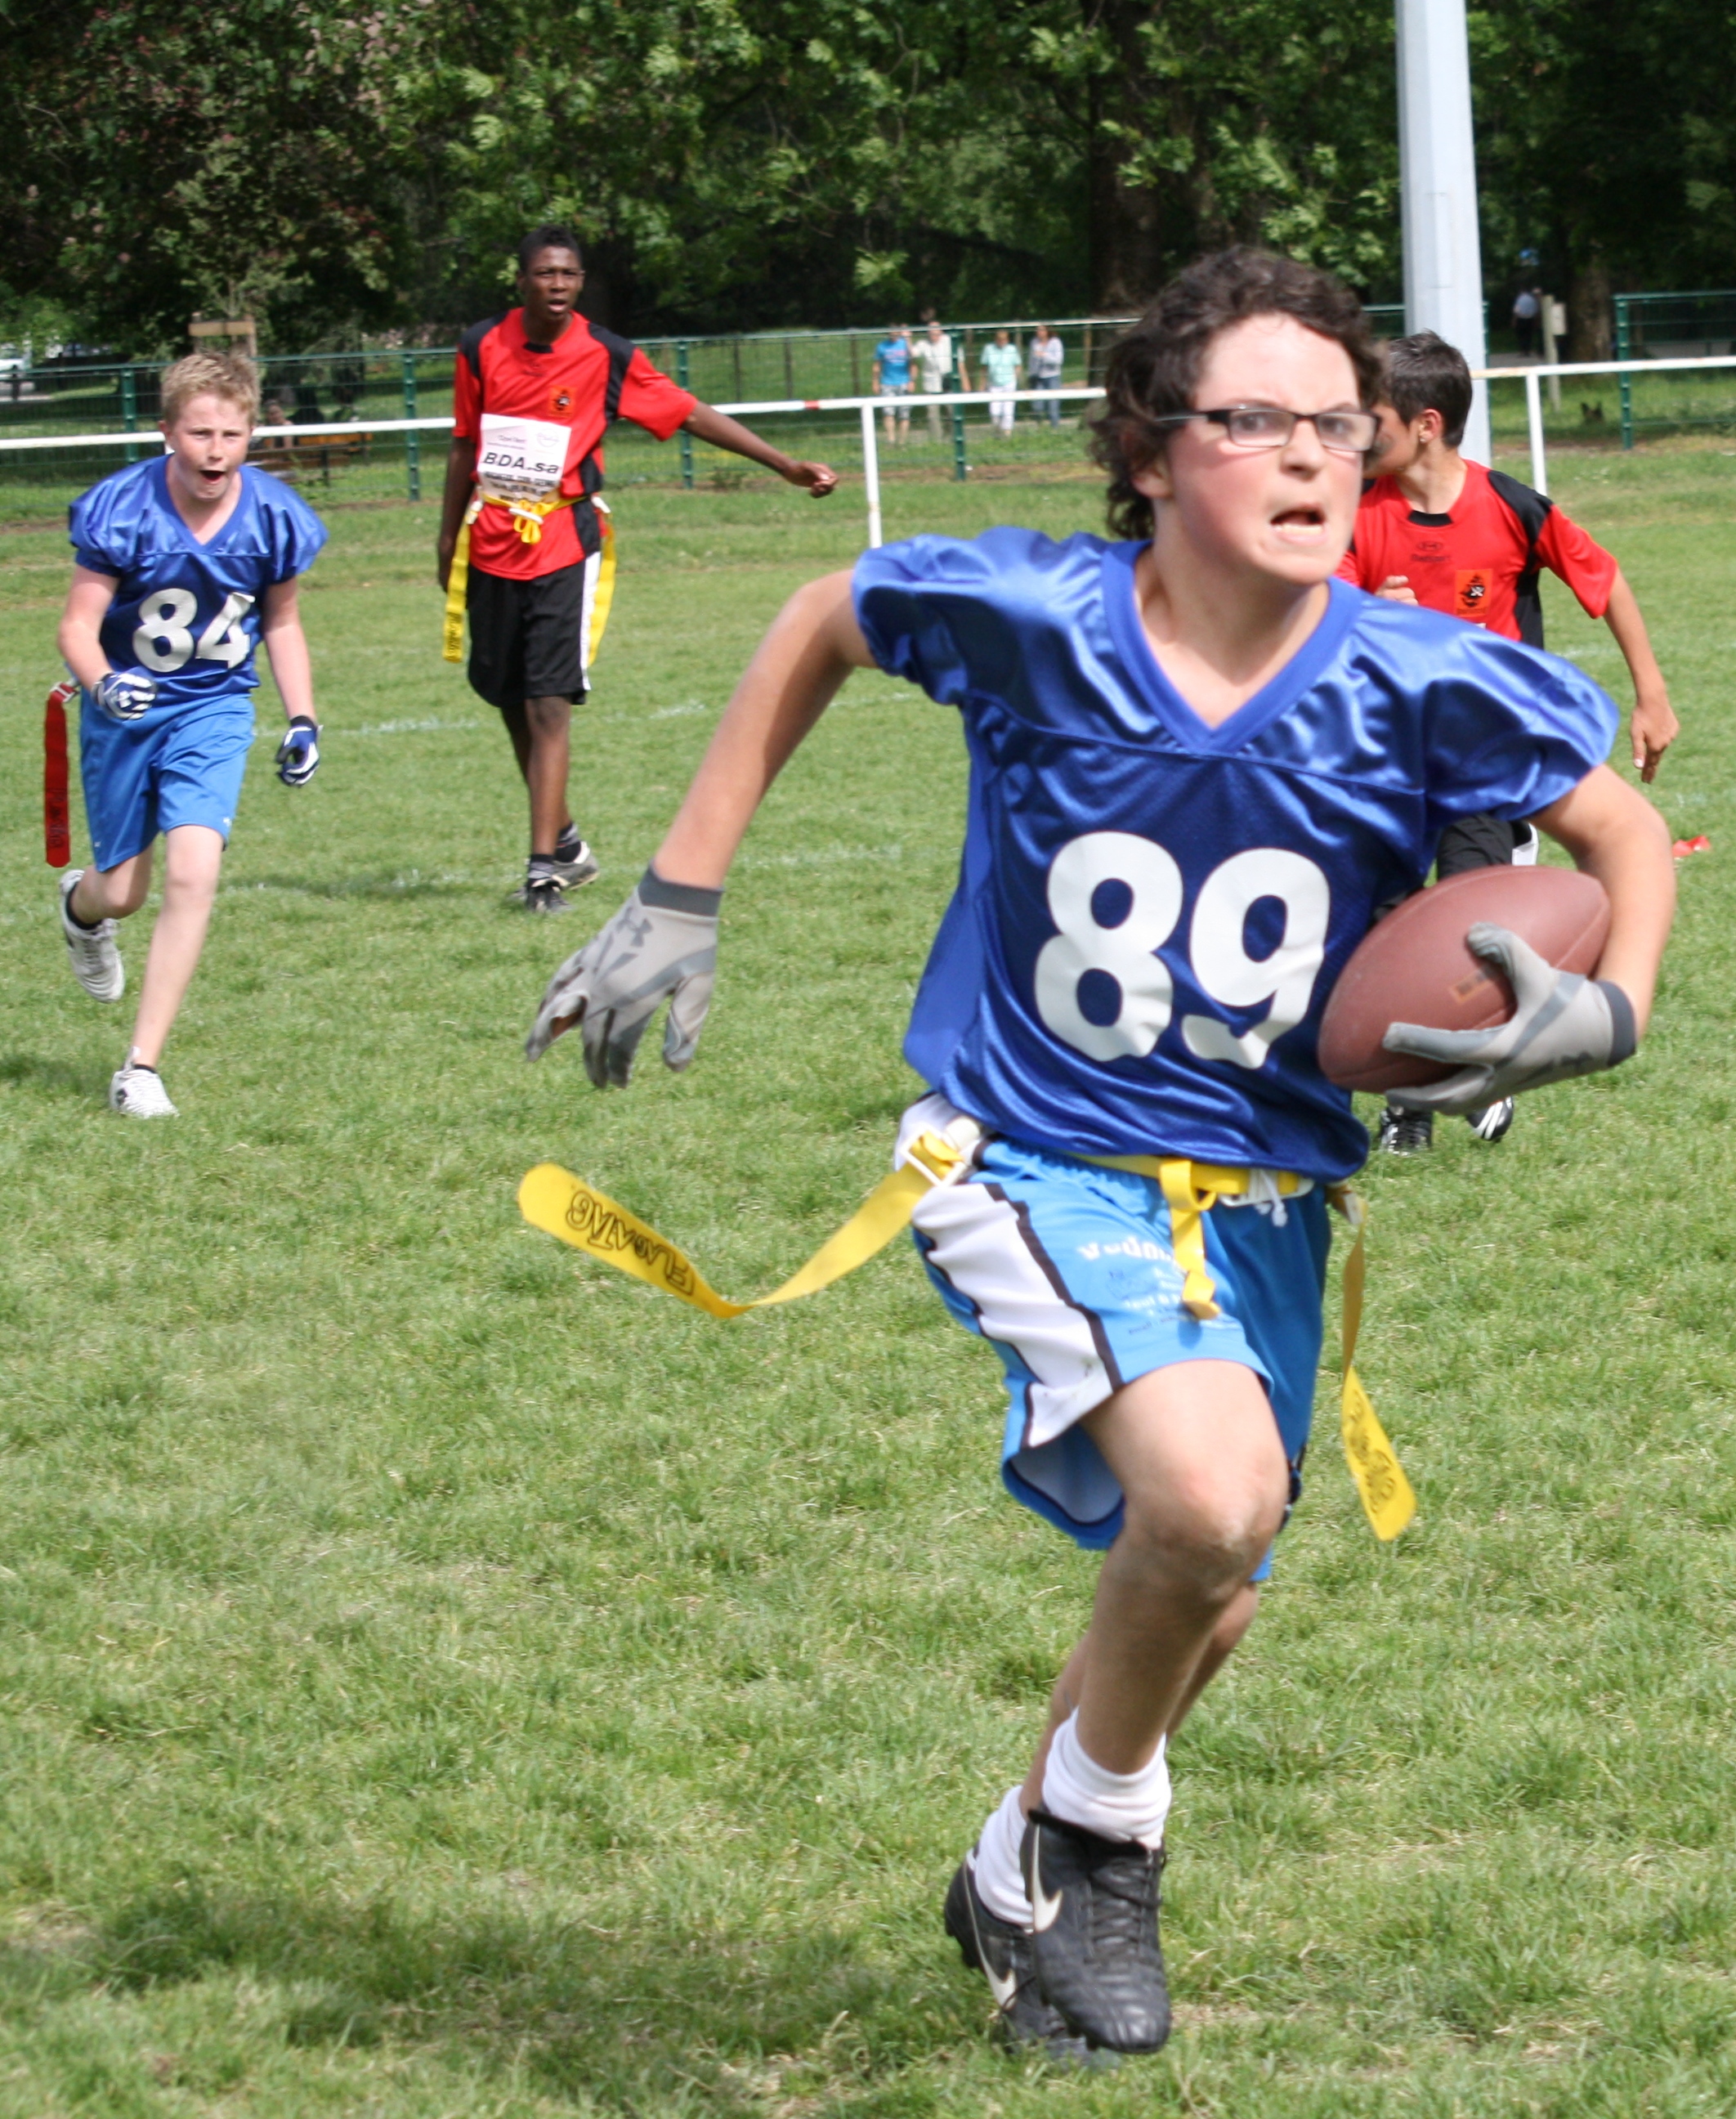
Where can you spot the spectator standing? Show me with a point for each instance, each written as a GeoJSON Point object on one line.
{"type": "Point", "coordinates": [1000, 366]}
{"type": "Point", "coordinates": [935, 368]}
{"type": "Point", "coordinates": [1527, 309]}
{"type": "Point", "coordinates": [1043, 363]}
{"type": "Point", "coordinates": [893, 381]}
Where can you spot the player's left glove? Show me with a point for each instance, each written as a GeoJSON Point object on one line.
{"type": "Point", "coordinates": [662, 942]}
{"type": "Point", "coordinates": [1563, 1025]}
{"type": "Point", "coordinates": [298, 754]}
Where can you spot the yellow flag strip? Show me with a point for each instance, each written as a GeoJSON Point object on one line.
{"type": "Point", "coordinates": [530, 517]}
{"type": "Point", "coordinates": [1387, 1500]}
{"type": "Point", "coordinates": [554, 1199]}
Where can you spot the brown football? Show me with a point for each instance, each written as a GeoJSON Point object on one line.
{"type": "Point", "coordinates": [1414, 966]}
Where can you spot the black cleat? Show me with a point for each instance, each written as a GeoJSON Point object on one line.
{"type": "Point", "coordinates": [543, 893]}
{"type": "Point", "coordinates": [1404, 1133]}
{"type": "Point", "coordinates": [1002, 1955]}
{"type": "Point", "coordinates": [1493, 1122]}
{"type": "Point", "coordinates": [572, 864]}
{"type": "Point", "coordinates": [1094, 1905]}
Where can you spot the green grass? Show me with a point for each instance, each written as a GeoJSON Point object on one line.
{"type": "Point", "coordinates": [440, 1677]}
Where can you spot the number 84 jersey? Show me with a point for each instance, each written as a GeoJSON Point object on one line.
{"type": "Point", "coordinates": [185, 612]}
{"type": "Point", "coordinates": [1151, 911]}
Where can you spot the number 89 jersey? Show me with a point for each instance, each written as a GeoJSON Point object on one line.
{"type": "Point", "coordinates": [185, 613]}
{"type": "Point", "coordinates": [1150, 911]}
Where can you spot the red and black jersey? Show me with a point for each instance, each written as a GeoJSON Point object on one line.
{"type": "Point", "coordinates": [538, 414]}
{"type": "Point", "coordinates": [1481, 561]}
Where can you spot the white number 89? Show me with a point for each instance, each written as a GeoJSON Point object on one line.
{"type": "Point", "coordinates": [1118, 953]}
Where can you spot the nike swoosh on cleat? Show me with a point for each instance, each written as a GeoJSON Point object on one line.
{"type": "Point", "coordinates": [1001, 1985]}
{"type": "Point", "coordinates": [1045, 1909]}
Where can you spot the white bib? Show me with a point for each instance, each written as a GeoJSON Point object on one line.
{"type": "Point", "coordinates": [521, 459]}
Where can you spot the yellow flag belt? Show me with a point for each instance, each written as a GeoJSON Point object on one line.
{"type": "Point", "coordinates": [528, 516]}
{"type": "Point", "coordinates": [554, 1199]}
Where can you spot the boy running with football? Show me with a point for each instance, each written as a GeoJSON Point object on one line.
{"type": "Point", "coordinates": [1436, 529]}
{"type": "Point", "coordinates": [1198, 766]}
{"type": "Point", "coordinates": [183, 565]}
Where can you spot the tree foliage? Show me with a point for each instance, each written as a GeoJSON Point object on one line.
{"type": "Point", "coordinates": [749, 162]}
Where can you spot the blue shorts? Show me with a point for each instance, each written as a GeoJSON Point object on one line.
{"type": "Point", "coordinates": [1066, 1270]}
{"type": "Point", "coordinates": [175, 765]}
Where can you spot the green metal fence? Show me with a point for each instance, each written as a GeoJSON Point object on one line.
{"type": "Point", "coordinates": [1681, 327]}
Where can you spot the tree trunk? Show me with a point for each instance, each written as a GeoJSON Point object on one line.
{"type": "Point", "coordinates": [1128, 221]}
{"type": "Point", "coordinates": [1591, 310]}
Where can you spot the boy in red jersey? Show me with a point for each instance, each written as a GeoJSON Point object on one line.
{"type": "Point", "coordinates": [1437, 530]}
{"type": "Point", "coordinates": [536, 390]}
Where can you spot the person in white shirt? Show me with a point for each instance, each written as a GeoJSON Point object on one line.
{"type": "Point", "coordinates": [1043, 360]}
{"type": "Point", "coordinates": [934, 367]}
{"type": "Point", "coordinates": [1000, 366]}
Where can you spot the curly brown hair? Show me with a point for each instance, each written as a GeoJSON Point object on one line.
{"type": "Point", "coordinates": [1154, 370]}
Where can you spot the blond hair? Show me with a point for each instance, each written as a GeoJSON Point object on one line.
{"type": "Point", "coordinates": [225, 375]}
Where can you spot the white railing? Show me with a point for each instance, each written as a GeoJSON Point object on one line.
{"type": "Point", "coordinates": [902, 407]}
{"type": "Point", "coordinates": [1532, 377]}
{"type": "Point", "coordinates": [867, 407]}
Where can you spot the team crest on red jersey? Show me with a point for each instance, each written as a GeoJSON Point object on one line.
{"type": "Point", "coordinates": [560, 400]}
{"type": "Point", "coordinates": [1471, 589]}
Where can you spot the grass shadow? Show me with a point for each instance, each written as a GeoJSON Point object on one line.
{"type": "Point", "coordinates": [405, 883]}
{"type": "Point", "coordinates": [609, 2018]}
{"type": "Point", "coordinates": [57, 1077]}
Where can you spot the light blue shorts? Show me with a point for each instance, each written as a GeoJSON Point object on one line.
{"type": "Point", "coordinates": [1068, 1271]}
{"type": "Point", "coordinates": [175, 765]}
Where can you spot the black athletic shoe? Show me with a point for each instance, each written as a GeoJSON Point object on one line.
{"type": "Point", "coordinates": [573, 863]}
{"type": "Point", "coordinates": [1493, 1122]}
{"type": "Point", "coordinates": [1094, 1903]}
{"type": "Point", "coordinates": [543, 893]}
{"type": "Point", "coordinates": [1002, 1955]}
{"type": "Point", "coordinates": [1404, 1133]}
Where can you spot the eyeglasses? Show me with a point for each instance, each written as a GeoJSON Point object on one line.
{"type": "Point", "coordinates": [1268, 427]}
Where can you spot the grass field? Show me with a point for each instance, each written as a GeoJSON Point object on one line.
{"type": "Point", "coordinates": [439, 1678]}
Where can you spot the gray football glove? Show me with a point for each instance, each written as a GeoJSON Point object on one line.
{"type": "Point", "coordinates": [662, 942]}
{"type": "Point", "coordinates": [1563, 1025]}
{"type": "Point", "coordinates": [125, 695]}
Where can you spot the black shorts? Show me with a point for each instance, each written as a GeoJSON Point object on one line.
{"type": "Point", "coordinates": [1478, 842]}
{"type": "Point", "coordinates": [529, 639]}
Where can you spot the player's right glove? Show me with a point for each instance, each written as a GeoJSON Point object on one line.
{"type": "Point", "coordinates": [1563, 1025]}
{"type": "Point", "coordinates": [662, 942]}
{"type": "Point", "coordinates": [298, 752]}
{"type": "Point", "coordinates": [124, 695]}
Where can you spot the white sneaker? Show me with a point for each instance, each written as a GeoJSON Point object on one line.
{"type": "Point", "coordinates": [96, 961]}
{"type": "Point", "coordinates": [139, 1092]}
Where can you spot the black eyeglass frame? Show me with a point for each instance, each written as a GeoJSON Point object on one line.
{"type": "Point", "coordinates": [1224, 414]}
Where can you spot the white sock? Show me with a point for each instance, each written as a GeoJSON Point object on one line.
{"type": "Point", "coordinates": [1000, 1883]}
{"type": "Point", "coordinates": [1117, 1805]}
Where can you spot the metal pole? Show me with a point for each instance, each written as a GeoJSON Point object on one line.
{"type": "Point", "coordinates": [1534, 420]}
{"type": "Point", "coordinates": [686, 439]}
{"type": "Point", "coordinates": [1624, 352]}
{"type": "Point", "coordinates": [412, 440]}
{"type": "Point", "coordinates": [130, 407]}
{"type": "Point", "coordinates": [961, 468]}
{"type": "Point", "coordinates": [871, 476]}
{"type": "Point", "coordinates": [1443, 265]}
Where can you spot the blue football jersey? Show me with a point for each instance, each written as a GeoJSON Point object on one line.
{"type": "Point", "coordinates": [1150, 912]}
{"type": "Point", "coordinates": [188, 613]}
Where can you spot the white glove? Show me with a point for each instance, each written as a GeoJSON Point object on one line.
{"type": "Point", "coordinates": [125, 695]}
{"type": "Point", "coordinates": [663, 941]}
{"type": "Point", "coordinates": [1563, 1025]}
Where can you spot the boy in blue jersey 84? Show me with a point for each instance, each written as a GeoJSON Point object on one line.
{"type": "Point", "coordinates": [1198, 766]}
{"type": "Point", "coordinates": [183, 564]}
